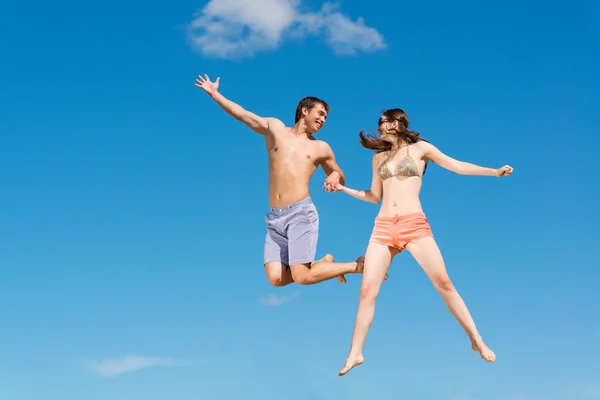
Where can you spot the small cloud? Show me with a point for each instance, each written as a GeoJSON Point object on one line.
{"type": "Point", "coordinates": [345, 36]}
{"type": "Point", "coordinates": [235, 29]}
{"type": "Point", "coordinates": [272, 300]}
{"type": "Point", "coordinates": [122, 365]}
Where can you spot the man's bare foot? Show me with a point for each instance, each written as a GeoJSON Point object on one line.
{"type": "Point", "coordinates": [351, 362]}
{"type": "Point", "coordinates": [340, 278]}
{"type": "Point", "coordinates": [486, 353]}
{"type": "Point", "coordinates": [360, 266]}
{"type": "Point", "coordinates": [329, 258]}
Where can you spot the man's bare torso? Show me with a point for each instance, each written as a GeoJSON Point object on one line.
{"type": "Point", "coordinates": [293, 159]}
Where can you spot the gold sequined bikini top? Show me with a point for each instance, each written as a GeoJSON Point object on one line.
{"type": "Point", "coordinates": [406, 167]}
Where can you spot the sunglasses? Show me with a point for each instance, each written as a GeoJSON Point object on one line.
{"type": "Point", "coordinates": [381, 121]}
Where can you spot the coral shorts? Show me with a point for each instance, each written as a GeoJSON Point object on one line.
{"type": "Point", "coordinates": [399, 230]}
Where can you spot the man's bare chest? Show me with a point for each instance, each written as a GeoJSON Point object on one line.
{"type": "Point", "coordinates": [296, 152]}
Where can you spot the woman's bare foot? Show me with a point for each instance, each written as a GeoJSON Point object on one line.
{"type": "Point", "coordinates": [486, 353]}
{"type": "Point", "coordinates": [351, 362]}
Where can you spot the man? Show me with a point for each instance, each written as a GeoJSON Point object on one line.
{"type": "Point", "coordinates": [293, 221]}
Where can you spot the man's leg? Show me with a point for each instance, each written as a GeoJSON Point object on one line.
{"type": "Point", "coordinates": [276, 254]}
{"type": "Point", "coordinates": [303, 235]}
{"type": "Point", "coordinates": [311, 273]}
{"type": "Point", "coordinates": [278, 274]}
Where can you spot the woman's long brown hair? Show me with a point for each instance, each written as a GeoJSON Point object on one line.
{"type": "Point", "coordinates": [373, 142]}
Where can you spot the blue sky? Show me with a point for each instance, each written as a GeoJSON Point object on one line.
{"type": "Point", "coordinates": [131, 206]}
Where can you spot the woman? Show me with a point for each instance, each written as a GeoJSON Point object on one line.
{"type": "Point", "coordinates": [399, 162]}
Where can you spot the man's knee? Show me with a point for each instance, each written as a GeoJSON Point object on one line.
{"type": "Point", "coordinates": [275, 280]}
{"type": "Point", "coordinates": [276, 274]}
{"type": "Point", "coordinates": [301, 274]}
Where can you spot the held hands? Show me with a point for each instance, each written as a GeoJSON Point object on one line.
{"type": "Point", "coordinates": [332, 183]}
{"type": "Point", "coordinates": [334, 187]}
{"type": "Point", "coordinates": [205, 83]}
{"type": "Point", "coordinates": [504, 171]}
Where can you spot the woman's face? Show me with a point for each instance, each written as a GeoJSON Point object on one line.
{"type": "Point", "coordinates": [386, 129]}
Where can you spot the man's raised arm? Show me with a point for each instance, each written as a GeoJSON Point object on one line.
{"type": "Point", "coordinates": [256, 123]}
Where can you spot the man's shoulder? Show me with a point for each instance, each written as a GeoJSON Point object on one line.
{"type": "Point", "coordinates": [322, 146]}
{"type": "Point", "coordinates": [320, 142]}
{"type": "Point", "coordinates": [277, 128]}
{"type": "Point", "coordinates": [275, 123]}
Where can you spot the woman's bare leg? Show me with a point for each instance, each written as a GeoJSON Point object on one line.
{"type": "Point", "coordinates": [377, 261]}
{"type": "Point", "coordinates": [427, 253]}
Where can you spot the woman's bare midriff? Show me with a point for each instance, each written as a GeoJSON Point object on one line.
{"type": "Point", "coordinates": [401, 196]}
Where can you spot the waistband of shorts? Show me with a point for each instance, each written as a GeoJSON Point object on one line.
{"type": "Point", "coordinates": [401, 217]}
{"type": "Point", "coordinates": [290, 207]}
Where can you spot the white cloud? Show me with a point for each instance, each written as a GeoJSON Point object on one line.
{"type": "Point", "coordinates": [272, 300]}
{"type": "Point", "coordinates": [118, 366]}
{"type": "Point", "coordinates": [235, 29]}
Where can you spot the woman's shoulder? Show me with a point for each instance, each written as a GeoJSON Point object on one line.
{"type": "Point", "coordinates": [379, 156]}
{"type": "Point", "coordinates": [423, 145]}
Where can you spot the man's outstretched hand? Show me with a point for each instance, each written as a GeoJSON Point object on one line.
{"type": "Point", "coordinates": [205, 83]}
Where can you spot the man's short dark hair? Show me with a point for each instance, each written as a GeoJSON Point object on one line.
{"type": "Point", "coordinates": [309, 102]}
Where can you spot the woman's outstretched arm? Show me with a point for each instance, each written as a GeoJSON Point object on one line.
{"type": "Point", "coordinates": [374, 194]}
{"type": "Point", "coordinates": [461, 167]}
